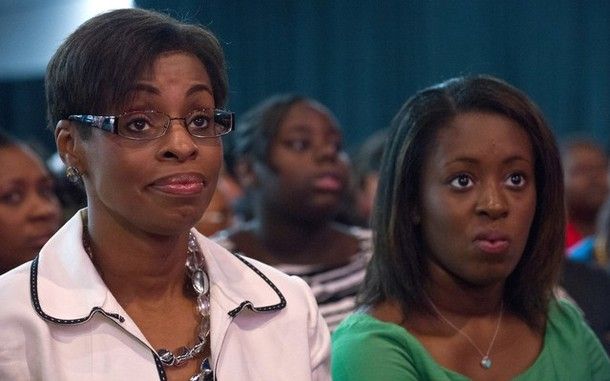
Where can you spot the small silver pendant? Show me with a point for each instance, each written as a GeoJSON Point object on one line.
{"type": "Point", "coordinates": [486, 362]}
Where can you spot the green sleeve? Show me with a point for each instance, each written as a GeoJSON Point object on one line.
{"type": "Point", "coordinates": [598, 358]}
{"type": "Point", "coordinates": [600, 364]}
{"type": "Point", "coordinates": [364, 351]}
{"type": "Point", "coordinates": [584, 344]}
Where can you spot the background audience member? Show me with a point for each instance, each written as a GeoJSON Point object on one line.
{"type": "Point", "coordinates": [586, 278]}
{"type": "Point", "coordinates": [365, 175]}
{"type": "Point", "coordinates": [219, 213]}
{"type": "Point", "coordinates": [29, 210]}
{"type": "Point", "coordinates": [593, 249]}
{"type": "Point", "coordinates": [585, 166]}
{"type": "Point", "coordinates": [469, 240]}
{"type": "Point", "coordinates": [295, 174]}
{"type": "Point", "coordinates": [589, 286]}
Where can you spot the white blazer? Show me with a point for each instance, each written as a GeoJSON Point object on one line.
{"type": "Point", "coordinates": [59, 321]}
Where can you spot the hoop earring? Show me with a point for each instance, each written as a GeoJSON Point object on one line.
{"type": "Point", "coordinates": [73, 175]}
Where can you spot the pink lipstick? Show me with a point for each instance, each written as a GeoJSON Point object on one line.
{"type": "Point", "coordinates": [492, 242]}
{"type": "Point", "coordinates": [183, 184]}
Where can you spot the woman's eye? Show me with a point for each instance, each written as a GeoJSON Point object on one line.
{"type": "Point", "coordinates": [199, 122]}
{"type": "Point", "coordinates": [297, 144]}
{"type": "Point", "coordinates": [138, 125]}
{"type": "Point", "coordinates": [516, 180]}
{"type": "Point", "coordinates": [140, 121]}
{"type": "Point", "coordinates": [461, 181]}
{"type": "Point", "coordinates": [11, 198]}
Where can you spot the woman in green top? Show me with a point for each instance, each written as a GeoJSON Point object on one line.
{"type": "Point", "coordinates": [469, 223]}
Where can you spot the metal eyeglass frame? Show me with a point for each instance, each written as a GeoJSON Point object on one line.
{"type": "Point", "coordinates": [109, 123]}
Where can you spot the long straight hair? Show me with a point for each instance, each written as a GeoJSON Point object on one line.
{"type": "Point", "coordinates": [398, 269]}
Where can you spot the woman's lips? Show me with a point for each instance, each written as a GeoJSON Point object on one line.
{"type": "Point", "coordinates": [180, 184]}
{"type": "Point", "coordinates": [492, 243]}
{"type": "Point", "coordinates": [329, 183]}
{"type": "Point", "coordinates": [492, 247]}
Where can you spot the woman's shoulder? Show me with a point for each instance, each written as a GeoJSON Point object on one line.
{"type": "Point", "coordinates": [365, 348]}
{"type": "Point", "coordinates": [360, 327]}
{"type": "Point", "coordinates": [566, 322]}
{"type": "Point", "coordinates": [17, 316]}
{"type": "Point", "coordinates": [570, 346]}
{"type": "Point", "coordinates": [566, 316]}
{"type": "Point", "coordinates": [14, 287]}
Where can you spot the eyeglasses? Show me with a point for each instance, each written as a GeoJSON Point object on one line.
{"type": "Point", "coordinates": [148, 125]}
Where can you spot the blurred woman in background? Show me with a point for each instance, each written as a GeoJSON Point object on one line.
{"type": "Point", "coordinates": [295, 175]}
{"type": "Point", "coordinates": [30, 212]}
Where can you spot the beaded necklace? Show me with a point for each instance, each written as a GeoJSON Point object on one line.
{"type": "Point", "coordinates": [195, 266]}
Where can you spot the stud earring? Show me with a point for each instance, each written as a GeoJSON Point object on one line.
{"type": "Point", "coordinates": [73, 174]}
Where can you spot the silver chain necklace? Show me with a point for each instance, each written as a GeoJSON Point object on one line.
{"type": "Point", "coordinates": [195, 265]}
{"type": "Point", "coordinates": [486, 362]}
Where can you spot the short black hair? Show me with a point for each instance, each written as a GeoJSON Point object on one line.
{"type": "Point", "coordinates": [96, 66]}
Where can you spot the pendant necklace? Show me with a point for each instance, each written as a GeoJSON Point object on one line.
{"type": "Point", "coordinates": [195, 266]}
{"type": "Point", "coordinates": [486, 362]}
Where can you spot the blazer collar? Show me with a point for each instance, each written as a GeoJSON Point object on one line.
{"type": "Point", "coordinates": [65, 286]}
{"type": "Point", "coordinates": [237, 282]}
{"type": "Point", "coordinates": [67, 289]}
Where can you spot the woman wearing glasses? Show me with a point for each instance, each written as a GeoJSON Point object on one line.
{"type": "Point", "coordinates": [127, 289]}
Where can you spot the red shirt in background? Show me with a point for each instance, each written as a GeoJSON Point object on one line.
{"type": "Point", "coordinates": [573, 236]}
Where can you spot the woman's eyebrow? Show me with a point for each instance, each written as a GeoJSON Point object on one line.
{"type": "Point", "coordinates": [199, 88]}
{"type": "Point", "coordinates": [146, 88]}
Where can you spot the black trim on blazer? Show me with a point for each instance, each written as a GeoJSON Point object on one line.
{"type": "Point", "coordinates": [160, 369]}
{"type": "Point", "coordinates": [38, 308]}
{"type": "Point", "coordinates": [248, 304]}
{"type": "Point", "coordinates": [94, 310]}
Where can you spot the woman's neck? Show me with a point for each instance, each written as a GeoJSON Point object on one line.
{"type": "Point", "coordinates": [457, 297]}
{"type": "Point", "coordinates": [275, 240]}
{"type": "Point", "coordinates": [135, 264]}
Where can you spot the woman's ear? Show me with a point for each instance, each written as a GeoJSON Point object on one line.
{"type": "Point", "coordinates": [68, 145]}
{"type": "Point", "coordinates": [246, 175]}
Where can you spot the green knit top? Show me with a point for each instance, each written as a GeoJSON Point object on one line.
{"type": "Point", "coordinates": [365, 348]}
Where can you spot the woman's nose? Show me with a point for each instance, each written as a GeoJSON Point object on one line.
{"type": "Point", "coordinates": [179, 143]}
{"type": "Point", "coordinates": [327, 150]}
{"type": "Point", "coordinates": [492, 200]}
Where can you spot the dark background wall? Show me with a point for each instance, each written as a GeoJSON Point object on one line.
{"type": "Point", "coordinates": [364, 58]}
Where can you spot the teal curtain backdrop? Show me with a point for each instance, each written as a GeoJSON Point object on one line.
{"type": "Point", "coordinates": [365, 58]}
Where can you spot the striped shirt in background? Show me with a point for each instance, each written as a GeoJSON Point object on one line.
{"type": "Point", "coordinates": [335, 288]}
